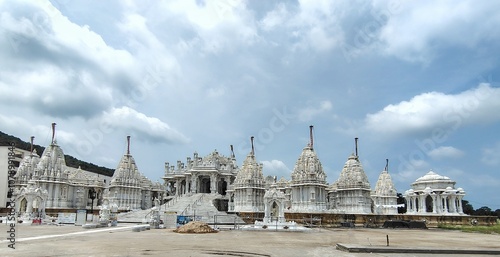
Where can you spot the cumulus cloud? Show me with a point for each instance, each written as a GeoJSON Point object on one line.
{"type": "Point", "coordinates": [24, 129]}
{"type": "Point", "coordinates": [219, 26]}
{"type": "Point", "coordinates": [410, 34]}
{"type": "Point", "coordinates": [310, 112]}
{"type": "Point", "coordinates": [55, 66]}
{"type": "Point", "coordinates": [445, 152]}
{"type": "Point", "coordinates": [274, 18]}
{"type": "Point", "coordinates": [276, 168]}
{"type": "Point", "coordinates": [431, 110]}
{"type": "Point", "coordinates": [49, 90]}
{"type": "Point", "coordinates": [314, 25]}
{"type": "Point", "coordinates": [146, 128]}
{"type": "Point", "coordinates": [19, 124]}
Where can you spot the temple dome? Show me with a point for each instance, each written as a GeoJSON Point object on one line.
{"type": "Point", "coordinates": [126, 171]}
{"type": "Point", "coordinates": [432, 176]}
{"type": "Point", "coordinates": [52, 161]}
{"type": "Point", "coordinates": [353, 175]}
{"type": "Point", "coordinates": [385, 186]}
{"type": "Point", "coordinates": [28, 165]}
{"type": "Point", "coordinates": [308, 168]}
{"type": "Point", "coordinates": [250, 172]}
{"type": "Point", "coordinates": [434, 181]}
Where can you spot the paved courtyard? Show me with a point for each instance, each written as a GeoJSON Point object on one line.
{"type": "Point", "coordinates": [47, 240]}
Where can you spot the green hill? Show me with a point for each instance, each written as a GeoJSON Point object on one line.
{"type": "Point", "coordinates": [70, 160]}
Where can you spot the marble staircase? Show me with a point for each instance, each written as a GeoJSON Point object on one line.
{"type": "Point", "coordinates": [199, 206]}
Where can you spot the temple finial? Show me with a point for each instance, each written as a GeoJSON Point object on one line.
{"type": "Point", "coordinates": [128, 145]}
{"type": "Point", "coordinates": [386, 165]}
{"type": "Point", "coordinates": [31, 148]}
{"type": "Point", "coordinates": [53, 132]}
{"type": "Point", "coordinates": [311, 136]}
{"type": "Point", "coordinates": [356, 146]}
{"type": "Point", "coordinates": [251, 141]}
{"type": "Point", "coordinates": [232, 151]}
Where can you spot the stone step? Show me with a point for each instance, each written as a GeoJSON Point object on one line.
{"type": "Point", "coordinates": [199, 206]}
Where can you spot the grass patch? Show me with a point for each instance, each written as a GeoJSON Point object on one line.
{"type": "Point", "coordinates": [494, 229]}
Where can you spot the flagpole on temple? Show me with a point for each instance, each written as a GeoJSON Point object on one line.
{"type": "Point", "coordinates": [253, 150]}
{"type": "Point", "coordinates": [311, 136]}
{"type": "Point", "coordinates": [53, 132]}
{"type": "Point", "coordinates": [356, 146]}
{"type": "Point", "coordinates": [31, 147]}
{"type": "Point", "coordinates": [128, 145]}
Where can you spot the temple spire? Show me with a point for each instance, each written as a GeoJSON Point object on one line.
{"type": "Point", "coordinates": [356, 146]}
{"type": "Point", "coordinates": [386, 165]}
{"type": "Point", "coordinates": [311, 136]}
{"type": "Point", "coordinates": [128, 145]}
{"type": "Point", "coordinates": [31, 148]}
{"type": "Point", "coordinates": [253, 150]}
{"type": "Point", "coordinates": [232, 151]}
{"type": "Point", "coordinates": [53, 132]}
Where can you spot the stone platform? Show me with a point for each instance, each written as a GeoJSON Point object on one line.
{"type": "Point", "coordinates": [69, 240]}
{"type": "Point", "coordinates": [407, 250]}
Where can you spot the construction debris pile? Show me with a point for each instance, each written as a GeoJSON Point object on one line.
{"type": "Point", "coordinates": [195, 227]}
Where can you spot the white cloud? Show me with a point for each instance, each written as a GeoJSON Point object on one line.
{"type": "Point", "coordinates": [50, 90]}
{"type": "Point", "coordinates": [146, 128]}
{"type": "Point", "coordinates": [209, 14]}
{"type": "Point", "coordinates": [417, 31]}
{"type": "Point", "coordinates": [491, 155]}
{"type": "Point", "coordinates": [180, 63]}
{"type": "Point", "coordinates": [431, 110]}
{"type": "Point", "coordinates": [57, 67]}
{"type": "Point", "coordinates": [317, 25]}
{"type": "Point", "coordinates": [274, 18]}
{"type": "Point", "coordinates": [221, 25]}
{"type": "Point", "coordinates": [24, 129]}
{"type": "Point", "coordinates": [276, 168]}
{"type": "Point", "coordinates": [19, 124]}
{"type": "Point", "coordinates": [44, 26]}
{"type": "Point", "coordinates": [445, 152]}
{"type": "Point", "coordinates": [310, 112]}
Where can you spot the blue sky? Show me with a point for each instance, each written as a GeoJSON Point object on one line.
{"type": "Point", "coordinates": [417, 82]}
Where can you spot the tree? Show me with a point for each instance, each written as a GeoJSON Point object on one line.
{"type": "Point", "coordinates": [483, 211]}
{"type": "Point", "coordinates": [467, 207]}
{"type": "Point", "coordinates": [497, 213]}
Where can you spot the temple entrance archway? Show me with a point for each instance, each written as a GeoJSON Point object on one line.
{"type": "Point", "coordinates": [429, 203]}
{"type": "Point", "coordinates": [222, 187]}
{"type": "Point", "coordinates": [204, 184]}
{"type": "Point", "coordinates": [274, 211]}
{"type": "Point", "coordinates": [274, 203]}
{"type": "Point", "coordinates": [36, 204]}
{"type": "Point", "coordinates": [183, 186]}
{"type": "Point", "coordinates": [24, 205]}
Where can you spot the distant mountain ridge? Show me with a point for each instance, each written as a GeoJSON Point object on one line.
{"type": "Point", "coordinates": [71, 161]}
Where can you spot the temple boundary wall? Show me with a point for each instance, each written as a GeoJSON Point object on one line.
{"type": "Point", "coordinates": [372, 220]}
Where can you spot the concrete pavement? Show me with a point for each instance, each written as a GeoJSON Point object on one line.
{"type": "Point", "coordinates": [69, 240]}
